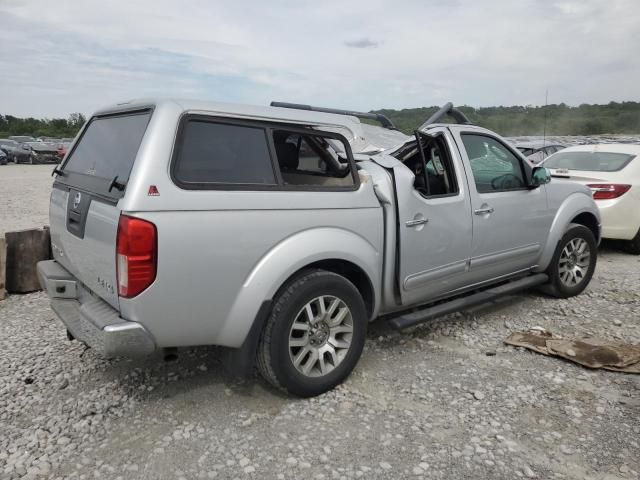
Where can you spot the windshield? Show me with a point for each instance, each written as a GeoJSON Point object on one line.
{"type": "Point", "coordinates": [589, 161]}
{"type": "Point", "coordinates": [526, 151]}
{"type": "Point", "coordinates": [109, 145]}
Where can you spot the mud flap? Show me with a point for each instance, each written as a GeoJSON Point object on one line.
{"type": "Point", "coordinates": [239, 362]}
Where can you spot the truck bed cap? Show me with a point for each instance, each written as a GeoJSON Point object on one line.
{"type": "Point", "coordinates": [362, 137]}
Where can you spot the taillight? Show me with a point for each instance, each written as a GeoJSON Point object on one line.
{"type": "Point", "coordinates": [607, 191]}
{"type": "Point", "coordinates": [136, 255]}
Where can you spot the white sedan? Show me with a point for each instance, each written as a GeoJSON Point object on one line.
{"type": "Point", "coordinates": [612, 172]}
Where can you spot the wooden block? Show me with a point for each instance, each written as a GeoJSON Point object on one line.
{"type": "Point", "coordinates": [24, 250]}
{"type": "Point", "coordinates": [3, 268]}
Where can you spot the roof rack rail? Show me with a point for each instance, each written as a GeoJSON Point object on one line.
{"type": "Point", "coordinates": [384, 121]}
{"type": "Point", "coordinates": [447, 109]}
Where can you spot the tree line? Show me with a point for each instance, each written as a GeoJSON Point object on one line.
{"type": "Point", "coordinates": [47, 127]}
{"type": "Point", "coordinates": [556, 119]}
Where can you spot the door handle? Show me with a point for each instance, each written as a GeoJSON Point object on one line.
{"type": "Point", "coordinates": [482, 211]}
{"type": "Point", "coordinates": [415, 223]}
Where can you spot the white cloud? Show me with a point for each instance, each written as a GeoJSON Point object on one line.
{"type": "Point", "coordinates": [81, 55]}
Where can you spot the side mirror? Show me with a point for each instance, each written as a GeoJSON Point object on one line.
{"type": "Point", "coordinates": [540, 176]}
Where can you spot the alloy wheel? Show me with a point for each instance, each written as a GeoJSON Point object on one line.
{"type": "Point", "coordinates": [574, 262]}
{"type": "Point", "coordinates": [320, 336]}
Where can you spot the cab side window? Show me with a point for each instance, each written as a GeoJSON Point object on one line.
{"type": "Point", "coordinates": [212, 153]}
{"type": "Point", "coordinates": [495, 168]}
{"type": "Point", "coordinates": [312, 160]}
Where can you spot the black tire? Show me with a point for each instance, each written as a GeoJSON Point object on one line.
{"type": "Point", "coordinates": [274, 358]}
{"type": "Point", "coordinates": [632, 246]}
{"type": "Point", "coordinates": [557, 287]}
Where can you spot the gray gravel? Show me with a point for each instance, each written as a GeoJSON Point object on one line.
{"type": "Point", "coordinates": [24, 193]}
{"type": "Point", "coordinates": [446, 400]}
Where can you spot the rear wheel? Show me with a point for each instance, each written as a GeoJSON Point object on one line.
{"type": "Point", "coordinates": [314, 335]}
{"type": "Point", "coordinates": [632, 246]}
{"type": "Point", "coordinates": [573, 262]}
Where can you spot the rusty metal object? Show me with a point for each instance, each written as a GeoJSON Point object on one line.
{"type": "Point", "coordinates": [589, 352]}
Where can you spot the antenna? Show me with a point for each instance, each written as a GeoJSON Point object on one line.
{"type": "Point", "coordinates": [544, 131]}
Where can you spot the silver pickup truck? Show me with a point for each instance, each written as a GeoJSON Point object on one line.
{"type": "Point", "coordinates": [281, 231]}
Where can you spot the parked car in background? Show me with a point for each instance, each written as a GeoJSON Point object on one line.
{"type": "Point", "coordinates": [537, 151]}
{"type": "Point", "coordinates": [62, 149]}
{"type": "Point", "coordinates": [281, 232]}
{"type": "Point", "coordinates": [3, 158]}
{"type": "Point", "coordinates": [16, 152]}
{"type": "Point", "coordinates": [42, 152]}
{"type": "Point", "coordinates": [9, 147]}
{"type": "Point", "coordinates": [22, 138]}
{"type": "Point", "coordinates": [612, 172]}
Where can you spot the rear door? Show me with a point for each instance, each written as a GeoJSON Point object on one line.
{"type": "Point", "coordinates": [510, 220]}
{"type": "Point", "coordinates": [84, 209]}
{"type": "Point", "coordinates": [434, 222]}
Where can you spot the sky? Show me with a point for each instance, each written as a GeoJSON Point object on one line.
{"type": "Point", "coordinates": [63, 56]}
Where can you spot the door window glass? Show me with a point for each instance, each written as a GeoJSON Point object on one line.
{"type": "Point", "coordinates": [494, 167]}
{"type": "Point", "coordinates": [312, 160]}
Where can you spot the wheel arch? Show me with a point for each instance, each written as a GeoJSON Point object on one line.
{"type": "Point", "coordinates": [351, 272]}
{"type": "Point", "coordinates": [579, 207]}
{"type": "Point", "coordinates": [590, 221]}
{"type": "Point", "coordinates": [334, 249]}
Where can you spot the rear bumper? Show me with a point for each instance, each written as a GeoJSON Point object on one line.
{"type": "Point", "coordinates": [89, 318]}
{"type": "Point", "coordinates": [620, 217]}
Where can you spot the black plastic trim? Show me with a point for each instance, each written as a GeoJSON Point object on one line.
{"type": "Point", "coordinates": [427, 313]}
{"type": "Point", "coordinates": [109, 199]}
{"type": "Point", "coordinates": [378, 117]}
{"type": "Point", "coordinates": [77, 214]}
{"type": "Point", "coordinates": [447, 109]}
{"type": "Point", "coordinates": [239, 362]}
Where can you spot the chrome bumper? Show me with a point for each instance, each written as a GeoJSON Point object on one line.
{"type": "Point", "coordinates": [90, 319]}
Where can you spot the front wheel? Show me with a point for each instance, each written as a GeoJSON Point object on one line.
{"type": "Point", "coordinates": [573, 262]}
{"type": "Point", "coordinates": [314, 335]}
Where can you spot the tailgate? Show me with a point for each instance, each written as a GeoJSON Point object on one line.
{"type": "Point", "coordinates": [83, 239]}
{"type": "Point", "coordinates": [83, 211]}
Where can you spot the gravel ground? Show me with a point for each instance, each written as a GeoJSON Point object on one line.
{"type": "Point", "coordinates": [445, 400]}
{"type": "Point", "coordinates": [24, 193]}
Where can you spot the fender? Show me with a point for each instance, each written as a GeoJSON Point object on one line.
{"type": "Point", "coordinates": [287, 257]}
{"type": "Point", "coordinates": [572, 206]}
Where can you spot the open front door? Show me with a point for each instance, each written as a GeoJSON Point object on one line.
{"type": "Point", "coordinates": [434, 214]}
